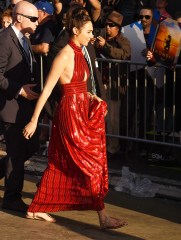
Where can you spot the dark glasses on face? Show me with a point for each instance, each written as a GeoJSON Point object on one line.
{"type": "Point", "coordinates": [145, 16]}
{"type": "Point", "coordinates": [32, 19]}
{"type": "Point", "coordinates": [110, 24]}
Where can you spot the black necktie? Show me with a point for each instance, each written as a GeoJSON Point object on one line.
{"type": "Point", "coordinates": [26, 48]}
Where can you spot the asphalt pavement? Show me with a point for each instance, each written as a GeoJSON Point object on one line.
{"type": "Point", "coordinates": [148, 218]}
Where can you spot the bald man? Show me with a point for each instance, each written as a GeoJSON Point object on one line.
{"type": "Point", "coordinates": [17, 98]}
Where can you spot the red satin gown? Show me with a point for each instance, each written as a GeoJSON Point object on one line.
{"type": "Point", "coordinates": [76, 177]}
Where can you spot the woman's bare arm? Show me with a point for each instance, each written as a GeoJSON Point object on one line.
{"type": "Point", "coordinates": [58, 67]}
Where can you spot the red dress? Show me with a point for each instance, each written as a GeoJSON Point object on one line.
{"type": "Point", "coordinates": [76, 177]}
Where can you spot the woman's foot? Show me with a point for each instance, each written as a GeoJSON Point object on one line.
{"type": "Point", "coordinates": [112, 223]}
{"type": "Point", "coordinates": [40, 216]}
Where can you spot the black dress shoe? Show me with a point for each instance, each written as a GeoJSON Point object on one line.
{"type": "Point", "coordinates": [16, 205]}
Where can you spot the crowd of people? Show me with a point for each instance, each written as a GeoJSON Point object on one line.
{"type": "Point", "coordinates": [48, 71]}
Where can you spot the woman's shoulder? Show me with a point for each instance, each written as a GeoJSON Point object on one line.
{"type": "Point", "coordinates": [65, 52]}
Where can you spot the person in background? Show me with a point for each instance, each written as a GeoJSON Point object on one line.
{"type": "Point", "coordinates": [76, 177]}
{"type": "Point", "coordinates": [145, 16]}
{"type": "Point", "coordinates": [177, 17]}
{"type": "Point", "coordinates": [92, 6]}
{"type": "Point", "coordinates": [169, 100]}
{"type": "Point", "coordinates": [17, 99]}
{"type": "Point", "coordinates": [136, 92]}
{"type": "Point", "coordinates": [129, 9]}
{"type": "Point", "coordinates": [106, 8]}
{"type": "Point", "coordinates": [57, 4]}
{"type": "Point", "coordinates": [6, 19]}
{"type": "Point", "coordinates": [62, 6]}
{"type": "Point", "coordinates": [46, 30]}
{"type": "Point", "coordinates": [58, 12]}
{"type": "Point", "coordinates": [161, 6]}
{"type": "Point", "coordinates": [113, 46]}
{"type": "Point", "coordinates": [13, 3]}
{"type": "Point", "coordinates": [41, 41]}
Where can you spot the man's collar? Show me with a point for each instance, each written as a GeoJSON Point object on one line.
{"type": "Point", "coordinates": [17, 32]}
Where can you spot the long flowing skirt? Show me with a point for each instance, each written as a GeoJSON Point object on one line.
{"type": "Point", "coordinates": [76, 177]}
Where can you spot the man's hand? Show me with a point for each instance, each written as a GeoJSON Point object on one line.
{"type": "Point", "coordinates": [144, 52]}
{"type": "Point", "coordinates": [101, 41]}
{"type": "Point", "coordinates": [150, 56]}
{"type": "Point", "coordinates": [28, 93]}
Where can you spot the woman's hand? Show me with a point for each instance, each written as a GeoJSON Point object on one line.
{"type": "Point", "coordinates": [29, 129]}
{"type": "Point", "coordinates": [97, 98]}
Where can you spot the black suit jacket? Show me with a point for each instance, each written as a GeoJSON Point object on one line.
{"type": "Point", "coordinates": [15, 71]}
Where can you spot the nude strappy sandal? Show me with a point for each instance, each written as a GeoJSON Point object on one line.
{"type": "Point", "coordinates": [40, 216]}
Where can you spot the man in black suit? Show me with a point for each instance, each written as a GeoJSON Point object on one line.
{"type": "Point", "coordinates": [17, 99]}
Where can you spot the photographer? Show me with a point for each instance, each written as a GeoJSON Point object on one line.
{"type": "Point", "coordinates": [114, 46]}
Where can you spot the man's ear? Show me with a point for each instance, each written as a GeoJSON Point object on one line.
{"type": "Point", "coordinates": [19, 18]}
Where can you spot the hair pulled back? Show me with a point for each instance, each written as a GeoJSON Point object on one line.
{"type": "Point", "coordinates": [77, 17]}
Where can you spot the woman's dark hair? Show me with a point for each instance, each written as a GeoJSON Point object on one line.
{"type": "Point", "coordinates": [77, 16]}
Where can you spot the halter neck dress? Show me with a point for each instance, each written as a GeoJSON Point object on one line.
{"type": "Point", "coordinates": [76, 177]}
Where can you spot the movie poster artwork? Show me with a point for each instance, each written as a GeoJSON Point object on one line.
{"type": "Point", "coordinates": [167, 42]}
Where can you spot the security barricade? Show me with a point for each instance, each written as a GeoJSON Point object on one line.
{"type": "Point", "coordinates": [143, 102]}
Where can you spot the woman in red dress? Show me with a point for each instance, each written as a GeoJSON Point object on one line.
{"type": "Point", "coordinates": [76, 177]}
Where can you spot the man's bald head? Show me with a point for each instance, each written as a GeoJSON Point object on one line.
{"type": "Point", "coordinates": [24, 7]}
{"type": "Point", "coordinates": [25, 17]}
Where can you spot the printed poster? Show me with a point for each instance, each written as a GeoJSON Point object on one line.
{"type": "Point", "coordinates": [134, 33]}
{"type": "Point", "coordinates": [167, 42]}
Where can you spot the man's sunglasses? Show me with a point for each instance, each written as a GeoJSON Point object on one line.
{"type": "Point", "coordinates": [145, 16]}
{"type": "Point", "coordinates": [32, 19]}
{"type": "Point", "coordinates": [110, 24]}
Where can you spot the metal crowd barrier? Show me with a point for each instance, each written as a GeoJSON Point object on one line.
{"type": "Point", "coordinates": [146, 102]}
{"type": "Point", "coordinates": [41, 122]}
{"type": "Point", "coordinates": [137, 88]}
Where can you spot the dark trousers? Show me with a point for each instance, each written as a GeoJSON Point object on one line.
{"type": "Point", "coordinates": [18, 151]}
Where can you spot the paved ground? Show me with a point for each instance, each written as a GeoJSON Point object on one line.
{"type": "Point", "coordinates": [148, 218]}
